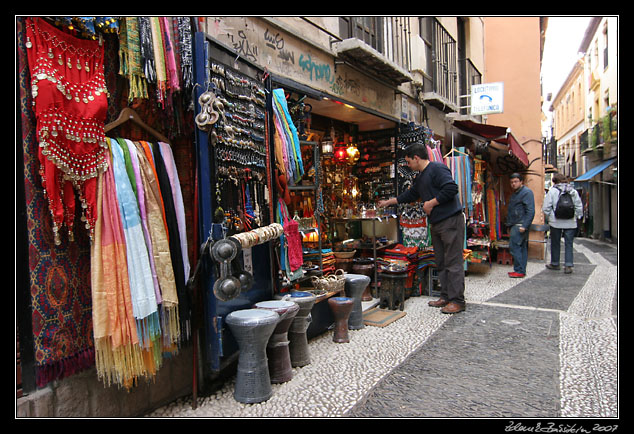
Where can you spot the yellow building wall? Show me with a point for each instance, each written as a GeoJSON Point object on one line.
{"type": "Point", "coordinates": [512, 56]}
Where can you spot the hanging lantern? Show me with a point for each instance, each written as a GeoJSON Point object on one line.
{"type": "Point", "coordinates": [340, 154]}
{"type": "Point", "coordinates": [327, 148]}
{"type": "Point", "coordinates": [352, 154]}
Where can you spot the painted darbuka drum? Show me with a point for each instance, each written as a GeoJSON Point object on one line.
{"type": "Point", "coordinates": [298, 341]}
{"type": "Point", "coordinates": [341, 308]}
{"type": "Point", "coordinates": [355, 285]}
{"type": "Point", "coordinates": [277, 351]}
{"type": "Point", "coordinates": [252, 329]}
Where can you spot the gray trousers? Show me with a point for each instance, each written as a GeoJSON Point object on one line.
{"type": "Point", "coordinates": [447, 237]}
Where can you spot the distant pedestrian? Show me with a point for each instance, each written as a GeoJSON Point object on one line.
{"type": "Point", "coordinates": [436, 188]}
{"type": "Point", "coordinates": [521, 210]}
{"type": "Point", "coordinates": [562, 207]}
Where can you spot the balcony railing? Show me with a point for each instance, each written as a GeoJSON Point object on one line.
{"type": "Point", "coordinates": [601, 135]}
{"type": "Point", "coordinates": [469, 75]}
{"type": "Point", "coordinates": [549, 151]}
{"type": "Point", "coordinates": [390, 36]}
{"type": "Point", "coordinates": [444, 49]}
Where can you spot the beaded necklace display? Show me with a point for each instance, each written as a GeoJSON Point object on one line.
{"type": "Point", "coordinates": [70, 101]}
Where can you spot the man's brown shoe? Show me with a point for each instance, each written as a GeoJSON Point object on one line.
{"type": "Point", "coordinates": [453, 308]}
{"type": "Point", "coordinates": [441, 302]}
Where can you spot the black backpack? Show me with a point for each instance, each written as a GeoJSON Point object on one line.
{"type": "Point", "coordinates": [565, 208]}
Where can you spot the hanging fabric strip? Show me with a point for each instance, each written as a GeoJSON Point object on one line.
{"type": "Point", "coordinates": [140, 194]}
{"type": "Point", "coordinates": [159, 59]}
{"type": "Point", "coordinates": [160, 248]}
{"type": "Point", "coordinates": [130, 58]}
{"type": "Point", "coordinates": [172, 172]}
{"type": "Point", "coordinates": [288, 131]}
{"type": "Point", "coordinates": [142, 291]}
{"type": "Point", "coordinates": [118, 356]}
{"type": "Point", "coordinates": [147, 49]}
{"type": "Point", "coordinates": [174, 240]}
{"type": "Point", "coordinates": [186, 50]}
{"type": "Point", "coordinates": [170, 56]}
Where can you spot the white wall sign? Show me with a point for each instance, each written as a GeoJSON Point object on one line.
{"type": "Point", "coordinates": [487, 98]}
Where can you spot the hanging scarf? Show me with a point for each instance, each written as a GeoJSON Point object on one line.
{"type": "Point", "coordinates": [173, 238]}
{"type": "Point", "coordinates": [170, 56]}
{"type": "Point", "coordinates": [147, 49]}
{"type": "Point", "coordinates": [288, 134]}
{"type": "Point", "coordinates": [144, 303]}
{"type": "Point", "coordinates": [179, 206]}
{"type": "Point", "coordinates": [118, 357]}
{"type": "Point", "coordinates": [186, 49]}
{"type": "Point", "coordinates": [70, 104]}
{"type": "Point", "coordinates": [137, 184]}
{"type": "Point", "coordinates": [160, 248]}
{"type": "Point", "coordinates": [130, 58]}
{"type": "Point", "coordinates": [159, 59]}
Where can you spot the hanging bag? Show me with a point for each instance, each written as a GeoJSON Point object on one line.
{"type": "Point", "coordinates": [293, 239]}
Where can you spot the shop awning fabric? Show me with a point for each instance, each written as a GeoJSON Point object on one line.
{"type": "Point", "coordinates": [595, 170]}
{"type": "Point", "coordinates": [494, 133]}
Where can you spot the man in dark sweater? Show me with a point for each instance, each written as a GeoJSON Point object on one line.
{"type": "Point", "coordinates": [521, 210]}
{"type": "Point", "coordinates": [435, 187]}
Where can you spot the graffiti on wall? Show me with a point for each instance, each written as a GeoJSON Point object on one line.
{"type": "Point", "coordinates": [268, 47]}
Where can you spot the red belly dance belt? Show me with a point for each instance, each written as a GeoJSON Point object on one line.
{"type": "Point", "coordinates": [70, 102]}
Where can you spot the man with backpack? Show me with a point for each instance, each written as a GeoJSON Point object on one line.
{"type": "Point", "coordinates": [562, 207]}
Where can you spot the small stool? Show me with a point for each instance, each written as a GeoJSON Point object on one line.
{"type": "Point", "coordinates": [341, 308]}
{"type": "Point", "coordinates": [355, 285]}
{"type": "Point", "coordinates": [392, 291]}
{"type": "Point", "coordinates": [277, 351]}
{"type": "Point", "coordinates": [504, 256]}
{"type": "Point", "coordinates": [252, 329]}
{"type": "Point", "coordinates": [298, 342]}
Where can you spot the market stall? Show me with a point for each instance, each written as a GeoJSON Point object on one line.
{"type": "Point", "coordinates": [481, 169]}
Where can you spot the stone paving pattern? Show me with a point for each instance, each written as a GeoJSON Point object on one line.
{"type": "Point", "coordinates": [544, 347]}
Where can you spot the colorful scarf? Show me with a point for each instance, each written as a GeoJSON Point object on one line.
{"type": "Point", "coordinates": [144, 303]}
{"type": "Point", "coordinates": [130, 150]}
{"type": "Point", "coordinates": [159, 59]}
{"type": "Point", "coordinates": [130, 58]}
{"type": "Point", "coordinates": [170, 56]}
{"type": "Point", "coordinates": [288, 134]}
{"type": "Point", "coordinates": [118, 357]}
{"type": "Point", "coordinates": [159, 248]}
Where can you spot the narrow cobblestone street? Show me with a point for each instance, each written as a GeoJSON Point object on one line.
{"type": "Point", "coordinates": [540, 347]}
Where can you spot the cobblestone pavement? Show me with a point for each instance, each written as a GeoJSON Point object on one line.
{"type": "Point", "coordinates": [540, 347]}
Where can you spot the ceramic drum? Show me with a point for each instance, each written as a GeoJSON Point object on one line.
{"type": "Point", "coordinates": [355, 285]}
{"type": "Point", "coordinates": [278, 354]}
{"type": "Point", "coordinates": [252, 329]}
{"type": "Point", "coordinates": [341, 308]}
{"type": "Point", "coordinates": [298, 341]}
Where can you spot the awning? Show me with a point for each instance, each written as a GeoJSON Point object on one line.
{"type": "Point", "coordinates": [494, 133]}
{"type": "Point", "coordinates": [595, 170]}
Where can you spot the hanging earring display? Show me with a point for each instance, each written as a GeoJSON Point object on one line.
{"type": "Point", "coordinates": [70, 105]}
{"type": "Point", "coordinates": [233, 112]}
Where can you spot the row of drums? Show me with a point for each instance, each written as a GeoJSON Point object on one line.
{"type": "Point", "coordinates": [272, 336]}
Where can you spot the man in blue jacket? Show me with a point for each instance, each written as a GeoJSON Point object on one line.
{"type": "Point", "coordinates": [521, 210]}
{"type": "Point", "coordinates": [435, 187]}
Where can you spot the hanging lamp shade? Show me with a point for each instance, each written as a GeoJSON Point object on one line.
{"type": "Point", "coordinates": [352, 154]}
